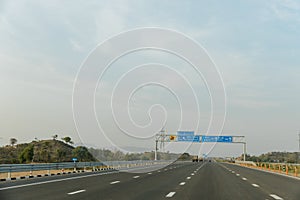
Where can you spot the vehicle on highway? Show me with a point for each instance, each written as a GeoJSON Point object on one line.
{"type": "Point", "coordinates": [195, 159]}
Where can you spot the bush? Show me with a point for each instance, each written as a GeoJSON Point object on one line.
{"type": "Point", "coordinates": [27, 154]}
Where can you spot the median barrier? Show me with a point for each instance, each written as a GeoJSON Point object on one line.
{"type": "Point", "coordinates": [51, 169]}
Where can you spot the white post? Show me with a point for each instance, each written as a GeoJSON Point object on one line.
{"type": "Point", "coordinates": [244, 144]}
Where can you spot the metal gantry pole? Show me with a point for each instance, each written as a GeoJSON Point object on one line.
{"type": "Point", "coordinates": [298, 155]}
{"type": "Point", "coordinates": [155, 152]}
{"type": "Point", "coordinates": [244, 145]}
{"type": "Point", "coordinates": [299, 141]}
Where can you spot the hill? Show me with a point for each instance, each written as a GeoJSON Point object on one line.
{"type": "Point", "coordinates": [44, 151]}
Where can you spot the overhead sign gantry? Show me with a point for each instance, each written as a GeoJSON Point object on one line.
{"type": "Point", "coordinates": [189, 136]}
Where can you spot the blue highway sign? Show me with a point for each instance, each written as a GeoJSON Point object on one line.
{"type": "Point", "coordinates": [216, 139]}
{"type": "Point", "coordinates": [188, 138]}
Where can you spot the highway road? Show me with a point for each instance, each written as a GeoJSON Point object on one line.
{"type": "Point", "coordinates": [204, 180]}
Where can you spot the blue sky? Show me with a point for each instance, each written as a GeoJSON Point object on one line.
{"type": "Point", "coordinates": [255, 45]}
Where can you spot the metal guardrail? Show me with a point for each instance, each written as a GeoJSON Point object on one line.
{"type": "Point", "coordinates": [245, 162]}
{"type": "Point", "coordinates": [286, 168]}
{"type": "Point", "coordinates": [8, 168]}
{"type": "Point", "coordinates": [47, 166]}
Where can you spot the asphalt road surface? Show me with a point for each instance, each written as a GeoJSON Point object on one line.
{"type": "Point", "coordinates": [204, 180]}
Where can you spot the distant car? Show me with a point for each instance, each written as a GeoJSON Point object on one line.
{"type": "Point", "coordinates": [195, 158]}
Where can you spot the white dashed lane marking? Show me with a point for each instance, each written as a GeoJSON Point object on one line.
{"type": "Point", "coordinates": [171, 194]}
{"type": "Point", "coordinates": [182, 183]}
{"type": "Point", "coordinates": [244, 178]}
{"type": "Point", "coordinates": [274, 196]}
{"type": "Point", "coordinates": [136, 176]}
{"type": "Point", "coordinates": [188, 177]}
{"type": "Point", "coordinates": [149, 173]}
{"type": "Point", "coordinates": [255, 185]}
{"type": "Point", "coordinates": [76, 192]}
{"type": "Point", "coordinates": [114, 182]}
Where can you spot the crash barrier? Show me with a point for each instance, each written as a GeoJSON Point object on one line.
{"type": "Point", "coordinates": [76, 166]}
{"type": "Point", "coordinates": [291, 169]}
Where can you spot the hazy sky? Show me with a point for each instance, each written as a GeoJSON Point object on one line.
{"type": "Point", "coordinates": [255, 45]}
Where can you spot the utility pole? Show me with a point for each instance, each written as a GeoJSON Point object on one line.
{"type": "Point", "coordinates": [160, 137]}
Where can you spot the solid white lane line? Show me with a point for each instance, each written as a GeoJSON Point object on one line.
{"type": "Point", "coordinates": [75, 192]}
{"type": "Point", "coordinates": [244, 179]}
{"type": "Point", "coordinates": [276, 197]}
{"type": "Point", "coordinates": [188, 177]}
{"type": "Point", "coordinates": [171, 194]}
{"type": "Point", "coordinates": [255, 185]}
{"type": "Point", "coordinates": [56, 180]}
{"type": "Point", "coordinates": [114, 182]}
{"type": "Point", "coordinates": [136, 176]}
{"type": "Point", "coordinates": [182, 183]}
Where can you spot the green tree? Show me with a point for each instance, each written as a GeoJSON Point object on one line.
{"type": "Point", "coordinates": [132, 156]}
{"type": "Point", "coordinates": [55, 136]}
{"type": "Point", "coordinates": [27, 154]}
{"type": "Point", "coordinates": [45, 155]}
{"type": "Point", "coordinates": [82, 154]}
{"type": "Point", "coordinates": [60, 154]}
{"type": "Point", "coordinates": [13, 141]}
{"type": "Point", "coordinates": [67, 140]}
